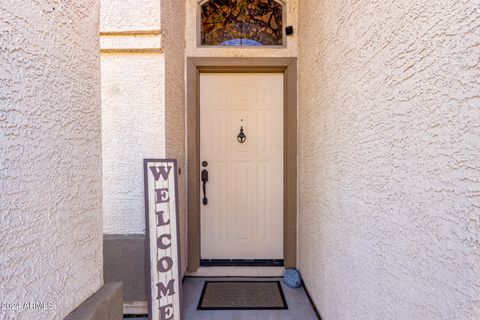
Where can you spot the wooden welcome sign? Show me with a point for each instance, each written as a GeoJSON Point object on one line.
{"type": "Point", "coordinates": [161, 215]}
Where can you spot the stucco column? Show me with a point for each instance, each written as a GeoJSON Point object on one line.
{"type": "Point", "coordinates": [50, 158]}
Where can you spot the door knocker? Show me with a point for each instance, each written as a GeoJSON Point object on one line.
{"type": "Point", "coordinates": [241, 136]}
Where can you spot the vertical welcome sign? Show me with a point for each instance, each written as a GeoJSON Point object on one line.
{"type": "Point", "coordinates": [161, 213]}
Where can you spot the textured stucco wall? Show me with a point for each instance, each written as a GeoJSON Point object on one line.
{"type": "Point", "coordinates": [143, 106]}
{"type": "Point", "coordinates": [50, 157]}
{"type": "Point", "coordinates": [129, 15]}
{"type": "Point", "coordinates": [172, 23]}
{"type": "Point", "coordinates": [389, 151]}
{"type": "Point", "coordinates": [193, 50]}
{"type": "Point", "coordinates": [133, 113]}
{"type": "Point", "coordinates": [133, 119]}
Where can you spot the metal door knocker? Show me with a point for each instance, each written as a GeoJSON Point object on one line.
{"type": "Point", "coordinates": [241, 136]}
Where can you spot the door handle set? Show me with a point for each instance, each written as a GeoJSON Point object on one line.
{"type": "Point", "coordinates": [204, 178]}
{"type": "Point", "coordinates": [241, 137]}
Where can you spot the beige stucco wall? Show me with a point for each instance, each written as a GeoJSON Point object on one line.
{"type": "Point", "coordinates": [389, 158]}
{"type": "Point", "coordinates": [50, 157]}
{"type": "Point", "coordinates": [133, 119]}
{"type": "Point", "coordinates": [193, 50]}
{"type": "Point", "coordinates": [172, 23]}
{"type": "Point", "coordinates": [133, 113]}
{"type": "Point", "coordinates": [142, 104]}
{"type": "Point", "coordinates": [122, 15]}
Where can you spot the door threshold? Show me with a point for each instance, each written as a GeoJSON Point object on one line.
{"type": "Point", "coordinates": [237, 272]}
{"type": "Point", "coordinates": [241, 263]}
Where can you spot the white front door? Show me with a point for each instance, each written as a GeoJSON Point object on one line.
{"type": "Point", "coordinates": [243, 218]}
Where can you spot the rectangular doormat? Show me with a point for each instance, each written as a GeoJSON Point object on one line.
{"type": "Point", "coordinates": [242, 295]}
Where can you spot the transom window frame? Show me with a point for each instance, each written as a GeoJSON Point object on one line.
{"type": "Point", "coordinates": [199, 30]}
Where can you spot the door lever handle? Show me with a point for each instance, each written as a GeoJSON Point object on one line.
{"type": "Point", "coordinates": [204, 186]}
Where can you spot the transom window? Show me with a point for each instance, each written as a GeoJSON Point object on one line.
{"type": "Point", "coordinates": [241, 23]}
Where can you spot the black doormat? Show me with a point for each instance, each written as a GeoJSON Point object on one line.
{"type": "Point", "coordinates": [242, 295]}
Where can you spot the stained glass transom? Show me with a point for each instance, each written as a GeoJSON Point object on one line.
{"type": "Point", "coordinates": [242, 23]}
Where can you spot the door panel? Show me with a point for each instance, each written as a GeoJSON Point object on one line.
{"type": "Point", "coordinates": [244, 215]}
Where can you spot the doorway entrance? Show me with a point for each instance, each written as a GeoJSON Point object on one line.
{"type": "Point", "coordinates": [241, 150]}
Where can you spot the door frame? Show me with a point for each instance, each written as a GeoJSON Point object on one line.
{"type": "Point", "coordinates": [287, 66]}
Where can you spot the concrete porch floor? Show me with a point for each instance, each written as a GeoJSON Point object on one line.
{"type": "Point", "coordinates": [299, 306]}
